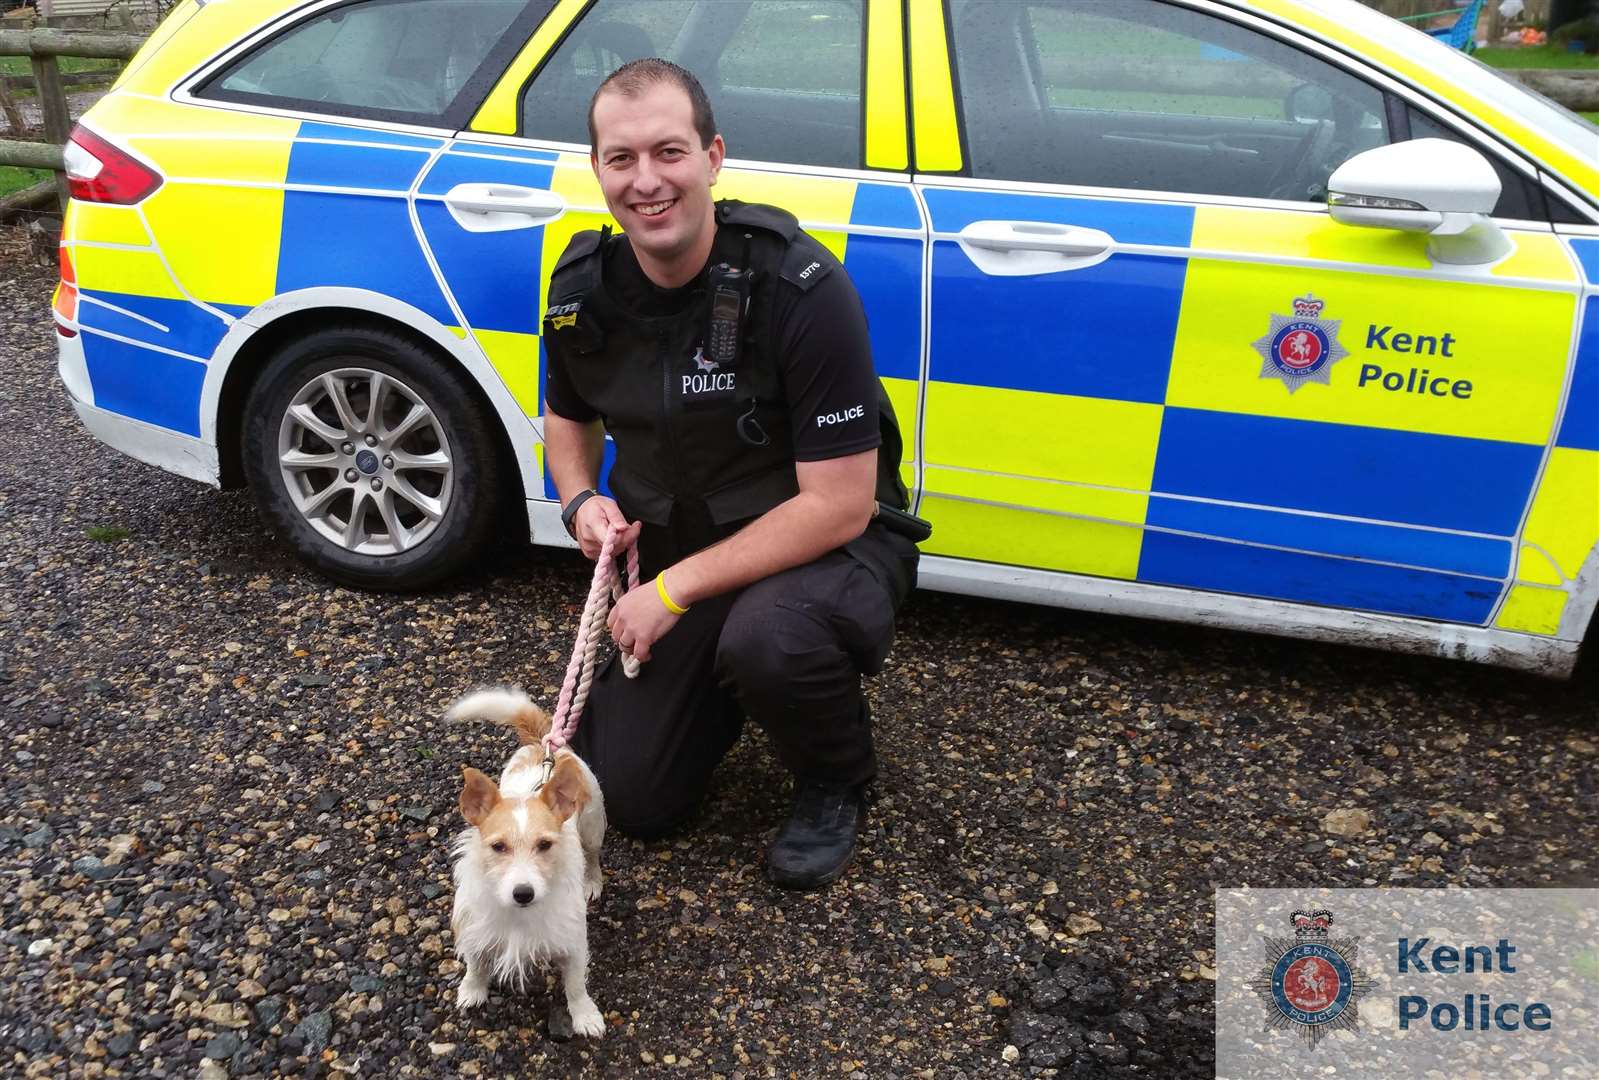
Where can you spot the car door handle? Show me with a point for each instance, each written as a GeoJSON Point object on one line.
{"type": "Point", "coordinates": [1007, 236]}
{"type": "Point", "coordinates": [491, 207]}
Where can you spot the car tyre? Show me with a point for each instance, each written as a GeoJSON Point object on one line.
{"type": "Point", "coordinates": [373, 458]}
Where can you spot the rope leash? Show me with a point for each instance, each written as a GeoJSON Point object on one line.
{"type": "Point", "coordinates": [606, 587]}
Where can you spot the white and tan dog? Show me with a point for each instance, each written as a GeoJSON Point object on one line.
{"type": "Point", "coordinates": [529, 862]}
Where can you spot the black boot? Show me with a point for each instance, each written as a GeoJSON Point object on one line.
{"type": "Point", "coordinates": [814, 846]}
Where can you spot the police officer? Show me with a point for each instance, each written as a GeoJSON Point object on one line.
{"type": "Point", "coordinates": [757, 459]}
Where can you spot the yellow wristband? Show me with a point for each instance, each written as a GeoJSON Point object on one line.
{"type": "Point", "coordinates": [671, 605]}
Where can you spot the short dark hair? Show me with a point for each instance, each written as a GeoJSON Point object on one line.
{"type": "Point", "coordinates": [637, 76]}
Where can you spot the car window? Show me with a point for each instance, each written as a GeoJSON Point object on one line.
{"type": "Point", "coordinates": [784, 76]}
{"type": "Point", "coordinates": [1152, 96]}
{"type": "Point", "coordinates": [1518, 197]}
{"type": "Point", "coordinates": [405, 59]}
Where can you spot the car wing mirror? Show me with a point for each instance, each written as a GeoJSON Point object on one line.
{"type": "Point", "coordinates": [1439, 187]}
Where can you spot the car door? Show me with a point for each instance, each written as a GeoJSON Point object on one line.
{"type": "Point", "coordinates": [1154, 357]}
{"type": "Point", "coordinates": [810, 98]}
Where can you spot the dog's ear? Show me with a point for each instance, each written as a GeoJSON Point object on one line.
{"type": "Point", "coordinates": [568, 790]}
{"type": "Point", "coordinates": [478, 796]}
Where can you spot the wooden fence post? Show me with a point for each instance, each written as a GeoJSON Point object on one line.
{"type": "Point", "coordinates": [1493, 25]}
{"type": "Point", "coordinates": [57, 117]}
{"type": "Point", "coordinates": [8, 109]}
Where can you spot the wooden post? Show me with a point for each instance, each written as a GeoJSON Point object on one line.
{"type": "Point", "coordinates": [53, 103]}
{"type": "Point", "coordinates": [1492, 26]}
{"type": "Point", "coordinates": [8, 109]}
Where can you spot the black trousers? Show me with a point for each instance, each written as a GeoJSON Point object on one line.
{"type": "Point", "coordinates": [787, 652]}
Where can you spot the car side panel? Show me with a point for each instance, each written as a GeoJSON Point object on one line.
{"type": "Point", "coordinates": [216, 214]}
{"type": "Point", "coordinates": [1139, 439]}
{"type": "Point", "coordinates": [1449, 476]}
{"type": "Point", "coordinates": [493, 277]}
{"type": "Point", "coordinates": [1561, 535]}
{"type": "Point", "coordinates": [887, 272]}
{"type": "Point", "coordinates": [1046, 398]}
{"type": "Point", "coordinates": [347, 216]}
{"type": "Point", "coordinates": [161, 282]}
{"type": "Point", "coordinates": [252, 207]}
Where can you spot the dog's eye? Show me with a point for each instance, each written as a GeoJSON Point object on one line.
{"type": "Point", "coordinates": [545, 845]}
{"type": "Point", "coordinates": [499, 847]}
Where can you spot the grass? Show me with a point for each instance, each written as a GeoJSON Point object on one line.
{"type": "Point", "coordinates": [70, 65]}
{"type": "Point", "coordinates": [106, 533]}
{"type": "Point", "coordinates": [1543, 56]}
{"type": "Point", "coordinates": [12, 179]}
{"type": "Point", "coordinates": [18, 65]}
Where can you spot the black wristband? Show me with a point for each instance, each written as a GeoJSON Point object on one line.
{"type": "Point", "coordinates": [570, 513]}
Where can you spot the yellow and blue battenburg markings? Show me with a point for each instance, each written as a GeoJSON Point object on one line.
{"type": "Point", "coordinates": [1562, 528]}
{"type": "Point", "coordinates": [494, 276]}
{"type": "Point", "coordinates": [356, 232]}
{"type": "Point", "coordinates": [1118, 419]}
{"type": "Point", "coordinates": [1134, 432]}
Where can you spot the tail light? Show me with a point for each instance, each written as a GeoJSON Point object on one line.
{"type": "Point", "coordinates": [65, 302]}
{"type": "Point", "coordinates": [99, 172]}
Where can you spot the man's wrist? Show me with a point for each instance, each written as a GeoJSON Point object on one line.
{"type": "Point", "coordinates": [569, 513]}
{"type": "Point", "coordinates": [666, 597]}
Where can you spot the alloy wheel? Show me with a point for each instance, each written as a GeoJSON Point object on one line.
{"type": "Point", "coordinates": [366, 461]}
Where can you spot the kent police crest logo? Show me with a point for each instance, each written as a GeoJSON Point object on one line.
{"type": "Point", "coordinates": [1301, 348]}
{"type": "Point", "coordinates": [1311, 982]}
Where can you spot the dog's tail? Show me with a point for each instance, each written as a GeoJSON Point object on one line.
{"type": "Point", "coordinates": [507, 706]}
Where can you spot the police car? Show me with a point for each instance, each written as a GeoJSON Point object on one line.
{"type": "Point", "coordinates": [1274, 314]}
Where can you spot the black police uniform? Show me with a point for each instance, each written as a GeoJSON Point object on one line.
{"type": "Point", "coordinates": [702, 449]}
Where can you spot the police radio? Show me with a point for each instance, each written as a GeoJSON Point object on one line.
{"type": "Point", "coordinates": [730, 299]}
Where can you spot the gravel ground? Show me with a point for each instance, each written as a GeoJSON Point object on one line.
{"type": "Point", "coordinates": [226, 800]}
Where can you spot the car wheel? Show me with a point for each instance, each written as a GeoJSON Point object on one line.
{"type": "Point", "coordinates": [374, 460]}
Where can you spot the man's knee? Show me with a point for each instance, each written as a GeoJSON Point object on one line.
{"type": "Point", "coordinates": [769, 645]}
{"type": "Point", "coordinates": [637, 810]}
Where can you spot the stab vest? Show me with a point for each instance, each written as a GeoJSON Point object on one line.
{"type": "Point", "coordinates": [673, 414]}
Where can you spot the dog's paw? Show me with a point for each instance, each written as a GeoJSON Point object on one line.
{"type": "Point", "coordinates": [469, 995]}
{"type": "Point", "coordinates": [586, 1019]}
{"type": "Point", "coordinates": [593, 885]}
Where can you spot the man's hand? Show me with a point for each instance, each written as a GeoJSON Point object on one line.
{"type": "Point", "coordinates": [639, 620]}
{"type": "Point", "coordinates": [595, 518]}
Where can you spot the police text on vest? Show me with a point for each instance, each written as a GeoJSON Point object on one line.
{"type": "Point", "coordinates": [846, 415]}
{"type": "Point", "coordinates": [707, 382]}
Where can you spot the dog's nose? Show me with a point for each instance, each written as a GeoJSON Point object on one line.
{"type": "Point", "coordinates": [522, 894]}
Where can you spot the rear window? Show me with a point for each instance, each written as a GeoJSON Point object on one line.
{"type": "Point", "coordinates": [410, 61]}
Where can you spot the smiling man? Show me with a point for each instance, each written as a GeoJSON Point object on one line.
{"type": "Point", "coordinates": [726, 353]}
